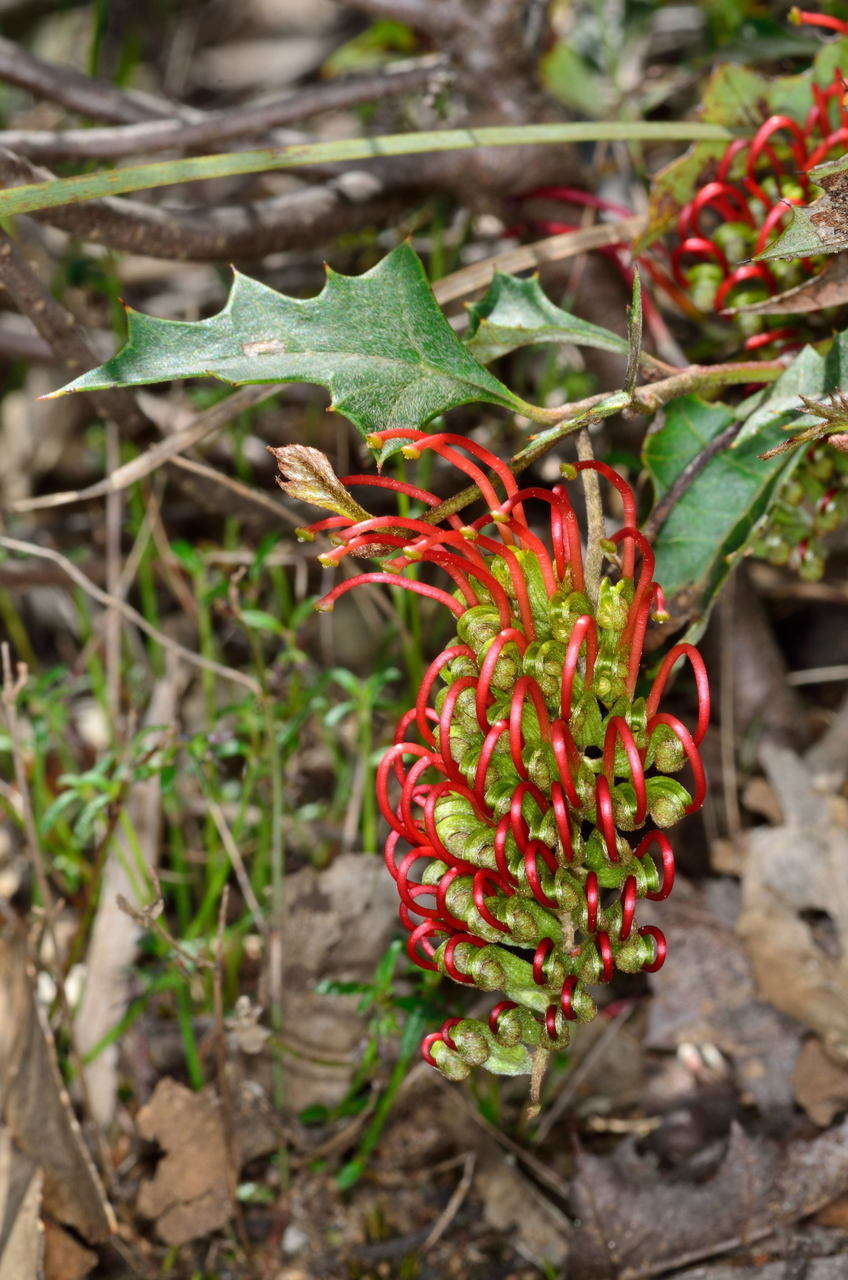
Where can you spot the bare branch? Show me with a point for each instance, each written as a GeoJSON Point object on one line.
{"type": "Point", "coordinates": [551, 249]}
{"type": "Point", "coordinates": [216, 127]}
{"type": "Point", "coordinates": [92, 98]}
{"type": "Point", "coordinates": [292, 221]}
{"type": "Point", "coordinates": [58, 327]}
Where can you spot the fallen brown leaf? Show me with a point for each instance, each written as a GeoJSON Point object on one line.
{"type": "Point", "coordinates": [64, 1257]}
{"type": "Point", "coordinates": [339, 922]}
{"type": "Point", "coordinates": [794, 919]}
{"type": "Point", "coordinates": [709, 995]}
{"type": "Point", "coordinates": [190, 1194]}
{"type": "Point", "coordinates": [635, 1222]}
{"type": "Point", "coordinates": [34, 1103]}
{"type": "Point", "coordinates": [21, 1235]}
{"type": "Point", "coordinates": [828, 288]}
{"type": "Point", "coordinates": [821, 1085]}
{"type": "Point", "coordinates": [511, 1203]}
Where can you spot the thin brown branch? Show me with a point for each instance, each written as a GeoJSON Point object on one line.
{"type": "Point", "coordinates": [216, 127]}
{"type": "Point", "coordinates": [148, 918]}
{"type": "Point", "coordinates": [61, 330]}
{"type": "Point", "coordinates": [94, 99]}
{"type": "Point", "coordinates": [594, 516]}
{"type": "Point", "coordinates": [453, 1205]}
{"type": "Point", "coordinates": [18, 343]}
{"type": "Point", "coordinates": [127, 611]}
{"type": "Point", "coordinates": [200, 428]}
{"type": "Point", "coordinates": [551, 249]}
{"type": "Point", "coordinates": [296, 220]}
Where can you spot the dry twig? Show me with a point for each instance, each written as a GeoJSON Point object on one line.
{"type": "Point", "coordinates": [199, 429]}
{"type": "Point", "coordinates": [58, 327]}
{"type": "Point", "coordinates": [551, 249]}
{"type": "Point", "coordinates": [296, 220]}
{"type": "Point", "coordinates": [81, 93]}
{"type": "Point", "coordinates": [128, 612]}
{"type": "Point", "coordinates": [453, 1205]}
{"type": "Point", "coordinates": [212, 128]}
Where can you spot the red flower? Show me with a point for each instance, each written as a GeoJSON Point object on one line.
{"type": "Point", "coordinates": [520, 786]}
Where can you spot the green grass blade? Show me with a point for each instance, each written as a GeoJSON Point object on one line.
{"type": "Point", "coordinates": [113, 182]}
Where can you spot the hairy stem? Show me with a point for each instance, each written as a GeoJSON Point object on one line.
{"type": "Point", "coordinates": [645, 399]}
{"type": "Point", "coordinates": [594, 516]}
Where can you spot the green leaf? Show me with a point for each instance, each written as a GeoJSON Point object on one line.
{"type": "Point", "coordinates": [187, 554]}
{"type": "Point", "coordinates": [379, 343]}
{"type": "Point", "coordinates": [516, 313]}
{"type": "Point", "coordinates": [259, 620]}
{"type": "Point", "coordinates": [569, 77]}
{"type": "Point", "coordinates": [709, 527]}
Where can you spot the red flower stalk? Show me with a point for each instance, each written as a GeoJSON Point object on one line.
{"type": "Point", "coordinates": [526, 788]}
{"type": "Point", "coordinates": [805, 17]}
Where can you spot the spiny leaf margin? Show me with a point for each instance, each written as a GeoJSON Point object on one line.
{"type": "Point", "coordinates": [515, 312]}
{"type": "Point", "coordinates": [378, 342]}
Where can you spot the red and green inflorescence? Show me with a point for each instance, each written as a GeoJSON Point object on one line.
{"type": "Point", "coordinates": [747, 204]}
{"type": "Point", "coordinates": [738, 212]}
{"type": "Point", "coordinates": [528, 789]}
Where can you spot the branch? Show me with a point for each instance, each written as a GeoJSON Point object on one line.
{"type": "Point", "coordinates": [645, 399]}
{"type": "Point", "coordinates": [552, 249]}
{"type": "Point", "coordinates": [216, 127]}
{"type": "Point", "coordinates": [296, 220]}
{"type": "Point", "coordinates": [61, 330]}
{"type": "Point", "coordinates": [92, 98]}
{"type": "Point", "coordinates": [18, 343]}
{"type": "Point", "coordinates": [127, 611]}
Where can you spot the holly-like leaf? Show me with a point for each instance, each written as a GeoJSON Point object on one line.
{"type": "Point", "coordinates": [516, 313]}
{"type": "Point", "coordinates": [710, 525]}
{"type": "Point", "coordinates": [819, 227]}
{"type": "Point", "coordinates": [379, 343]}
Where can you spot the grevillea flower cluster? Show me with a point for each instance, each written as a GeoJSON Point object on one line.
{"type": "Point", "coordinates": [528, 789]}
{"type": "Point", "coordinates": [737, 213]}
{"type": "Point", "coordinates": [746, 205]}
